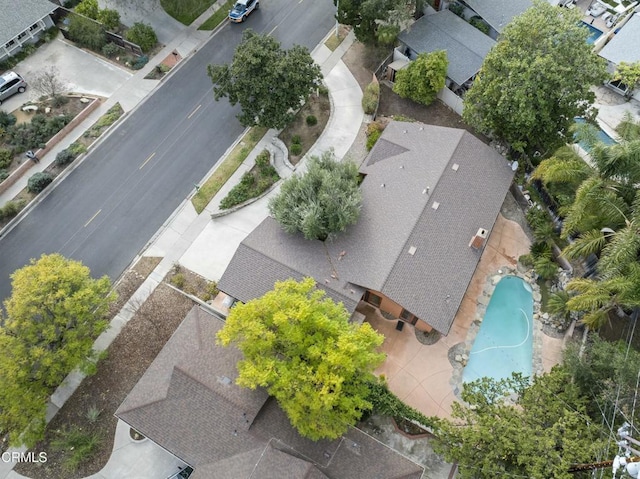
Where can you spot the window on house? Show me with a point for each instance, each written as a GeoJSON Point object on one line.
{"type": "Point", "coordinates": [22, 35]}
{"type": "Point", "coordinates": [10, 44]}
{"type": "Point", "coordinates": [374, 299]}
{"type": "Point", "coordinates": [33, 27]}
{"type": "Point", "coordinates": [408, 317]}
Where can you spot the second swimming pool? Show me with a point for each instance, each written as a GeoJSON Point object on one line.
{"type": "Point", "coordinates": [504, 343]}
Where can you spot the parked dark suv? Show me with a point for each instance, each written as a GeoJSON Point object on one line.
{"type": "Point", "coordinates": [10, 84]}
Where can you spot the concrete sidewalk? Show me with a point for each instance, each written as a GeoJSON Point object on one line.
{"type": "Point", "coordinates": [206, 247]}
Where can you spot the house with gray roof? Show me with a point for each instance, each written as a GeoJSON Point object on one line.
{"type": "Point", "coordinates": [22, 22]}
{"type": "Point", "coordinates": [466, 46]}
{"type": "Point", "coordinates": [623, 47]}
{"type": "Point", "coordinates": [496, 13]}
{"type": "Point", "coordinates": [188, 403]}
{"type": "Point", "coordinates": [430, 194]}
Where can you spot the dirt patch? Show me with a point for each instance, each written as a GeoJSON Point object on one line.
{"type": "Point", "coordinates": [192, 283]}
{"type": "Point", "coordinates": [363, 60]}
{"type": "Point", "coordinates": [318, 106]}
{"type": "Point", "coordinates": [132, 280]}
{"type": "Point", "coordinates": [127, 359]}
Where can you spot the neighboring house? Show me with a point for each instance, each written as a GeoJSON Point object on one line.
{"type": "Point", "coordinates": [466, 46]}
{"type": "Point", "coordinates": [623, 47]}
{"type": "Point", "coordinates": [430, 198]}
{"type": "Point", "coordinates": [21, 23]}
{"type": "Point", "coordinates": [187, 402]}
{"type": "Point", "coordinates": [496, 13]}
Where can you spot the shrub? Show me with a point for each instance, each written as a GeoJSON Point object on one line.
{"type": "Point", "coordinates": [373, 138]}
{"type": "Point", "coordinates": [296, 140]}
{"type": "Point", "coordinates": [526, 260]}
{"type": "Point", "coordinates": [457, 9]}
{"type": "Point", "coordinates": [27, 136]}
{"type": "Point", "coordinates": [39, 181]}
{"type": "Point", "coordinates": [295, 149]}
{"type": "Point", "coordinates": [93, 413]}
{"type": "Point", "coordinates": [88, 8]}
{"type": "Point", "coordinates": [78, 446]}
{"type": "Point", "coordinates": [370, 98]}
{"type": "Point", "coordinates": [143, 35]}
{"type": "Point", "coordinates": [140, 62]}
{"type": "Point", "coordinates": [11, 209]}
{"type": "Point", "coordinates": [323, 90]}
{"type": "Point", "coordinates": [6, 119]}
{"type": "Point", "coordinates": [479, 24]}
{"type": "Point", "coordinates": [110, 50]}
{"type": "Point", "coordinates": [178, 280]}
{"type": "Point", "coordinates": [311, 120]}
{"type": "Point", "coordinates": [6, 156]}
{"type": "Point", "coordinates": [263, 160]}
{"type": "Point", "coordinates": [64, 157]}
{"type": "Point", "coordinates": [86, 32]}
{"type": "Point", "coordinates": [109, 18]}
{"type": "Point", "coordinates": [76, 148]}
{"type": "Point", "coordinates": [4, 174]}
{"type": "Point", "coordinates": [59, 100]}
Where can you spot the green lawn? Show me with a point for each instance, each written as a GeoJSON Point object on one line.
{"type": "Point", "coordinates": [186, 11]}
{"type": "Point", "coordinates": [218, 17]}
{"type": "Point", "coordinates": [228, 167]}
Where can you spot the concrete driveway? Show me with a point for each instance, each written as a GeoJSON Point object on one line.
{"type": "Point", "coordinates": [81, 71]}
{"type": "Point", "coordinates": [149, 12]}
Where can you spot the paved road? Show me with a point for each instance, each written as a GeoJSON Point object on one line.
{"type": "Point", "coordinates": [106, 210]}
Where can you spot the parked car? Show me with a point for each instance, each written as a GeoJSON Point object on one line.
{"type": "Point", "coordinates": [10, 84]}
{"type": "Point", "coordinates": [242, 9]}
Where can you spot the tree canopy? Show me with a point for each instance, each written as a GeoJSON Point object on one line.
{"type": "Point", "coordinates": [423, 78]}
{"type": "Point", "coordinates": [629, 74]}
{"type": "Point", "coordinates": [323, 201]}
{"type": "Point", "coordinates": [55, 312]}
{"type": "Point", "coordinates": [267, 81]}
{"type": "Point", "coordinates": [300, 346]}
{"type": "Point", "coordinates": [539, 436]}
{"type": "Point", "coordinates": [377, 21]}
{"type": "Point", "coordinates": [535, 80]}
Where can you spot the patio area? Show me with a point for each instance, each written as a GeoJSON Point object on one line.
{"type": "Point", "coordinates": [426, 376]}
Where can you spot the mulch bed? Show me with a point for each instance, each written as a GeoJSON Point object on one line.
{"type": "Point", "coordinates": [128, 357]}
{"type": "Point", "coordinates": [318, 106]}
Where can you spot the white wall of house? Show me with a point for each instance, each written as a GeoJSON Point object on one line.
{"type": "Point", "coordinates": [450, 99]}
{"type": "Point", "coordinates": [30, 35]}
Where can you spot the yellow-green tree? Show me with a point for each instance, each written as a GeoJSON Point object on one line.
{"type": "Point", "coordinates": [300, 346]}
{"type": "Point", "coordinates": [55, 312]}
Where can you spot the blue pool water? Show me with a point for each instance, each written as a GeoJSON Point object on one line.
{"type": "Point", "coordinates": [594, 33]}
{"type": "Point", "coordinates": [602, 136]}
{"type": "Point", "coordinates": [504, 344]}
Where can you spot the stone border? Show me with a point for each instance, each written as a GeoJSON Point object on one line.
{"type": "Point", "coordinates": [54, 140]}
{"type": "Point", "coordinates": [462, 357]}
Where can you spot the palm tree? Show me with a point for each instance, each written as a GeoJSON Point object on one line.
{"type": "Point", "coordinates": [618, 282]}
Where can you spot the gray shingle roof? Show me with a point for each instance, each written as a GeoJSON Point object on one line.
{"type": "Point", "coordinates": [466, 46]}
{"type": "Point", "coordinates": [228, 432]}
{"type": "Point", "coordinates": [372, 254]}
{"type": "Point", "coordinates": [498, 13]}
{"type": "Point", "coordinates": [625, 46]}
{"type": "Point", "coordinates": [18, 16]}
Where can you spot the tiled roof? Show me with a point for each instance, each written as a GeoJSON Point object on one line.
{"type": "Point", "coordinates": [409, 167]}
{"type": "Point", "coordinates": [498, 13]}
{"type": "Point", "coordinates": [466, 46]}
{"type": "Point", "coordinates": [625, 45]}
{"type": "Point", "coordinates": [18, 16]}
{"type": "Point", "coordinates": [228, 432]}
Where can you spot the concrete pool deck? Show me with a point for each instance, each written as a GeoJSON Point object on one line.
{"type": "Point", "coordinates": [424, 376]}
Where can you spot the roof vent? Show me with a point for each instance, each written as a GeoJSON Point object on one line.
{"type": "Point", "coordinates": [455, 167]}
{"type": "Point", "coordinates": [435, 205]}
{"type": "Point", "coordinates": [382, 185]}
{"type": "Point", "coordinates": [224, 380]}
{"type": "Point", "coordinates": [412, 250]}
{"type": "Point", "coordinates": [478, 240]}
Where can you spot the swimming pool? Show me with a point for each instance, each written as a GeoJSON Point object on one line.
{"type": "Point", "coordinates": [601, 134]}
{"type": "Point", "coordinates": [504, 343]}
{"type": "Point", "coordinates": [594, 33]}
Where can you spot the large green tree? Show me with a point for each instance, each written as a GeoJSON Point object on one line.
{"type": "Point", "coordinates": [269, 83]}
{"type": "Point", "coordinates": [301, 346]}
{"type": "Point", "coordinates": [378, 21]}
{"type": "Point", "coordinates": [55, 312]}
{"type": "Point", "coordinates": [538, 436]}
{"type": "Point", "coordinates": [535, 80]}
{"type": "Point", "coordinates": [323, 201]}
{"type": "Point", "coordinates": [423, 78]}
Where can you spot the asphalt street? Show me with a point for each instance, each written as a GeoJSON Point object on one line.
{"type": "Point", "coordinates": [109, 207]}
